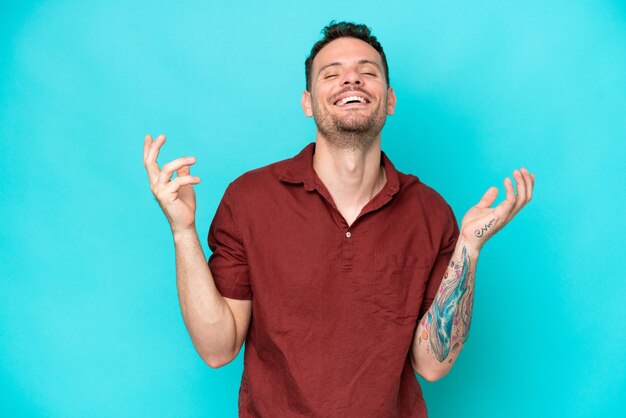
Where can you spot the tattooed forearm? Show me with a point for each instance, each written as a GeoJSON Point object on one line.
{"type": "Point", "coordinates": [480, 232]}
{"type": "Point", "coordinates": [446, 324]}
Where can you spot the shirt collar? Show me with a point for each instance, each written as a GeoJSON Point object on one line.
{"type": "Point", "coordinates": [300, 170]}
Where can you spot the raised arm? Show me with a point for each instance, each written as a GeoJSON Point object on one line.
{"type": "Point", "coordinates": [444, 328]}
{"type": "Point", "coordinates": [217, 325]}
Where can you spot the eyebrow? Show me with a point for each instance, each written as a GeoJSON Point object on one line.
{"type": "Point", "coordinates": [364, 61]}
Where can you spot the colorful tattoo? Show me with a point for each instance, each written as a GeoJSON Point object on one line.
{"type": "Point", "coordinates": [451, 313]}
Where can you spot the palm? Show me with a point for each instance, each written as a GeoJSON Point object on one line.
{"type": "Point", "coordinates": [182, 207]}
{"type": "Point", "coordinates": [187, 201]}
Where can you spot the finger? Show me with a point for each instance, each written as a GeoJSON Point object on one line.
{"type": "Point", "coordinates": [185, 192]}
{"type": "Point", "coordinates": [146, 144]}
{"type": "Point", "coordinates": [173, 186]}
{"type": "Point", "coordinates": [504, 208]}
{"type": "Point", "coordinates": [150, 169]}
{"type": "Point", "coordinates": [168, 169]}
{"type": "Point", "coordinates": [150, 161]}
{"type": "Point", "coordinates": [529, 185]}
{"type": "Point", "coordinates": [184, 171]}
{"type": "Point", "coordinates": [520, 199]}
{"type": "Point", "coordinates": [488, 198]}
{"type": "Point", "coordinates": [155, 147]}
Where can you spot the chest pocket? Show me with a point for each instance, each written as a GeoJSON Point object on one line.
{"type": "Point", "coordinates": [399, 285]}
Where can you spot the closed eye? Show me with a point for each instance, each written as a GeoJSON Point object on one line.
{"type": "Point", "coordinates": [330, 75]}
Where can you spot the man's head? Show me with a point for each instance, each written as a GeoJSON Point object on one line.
{"type": "Point", "coordinates": [341, 30]}
{"type": "Point", "coordinates": [348, 92]}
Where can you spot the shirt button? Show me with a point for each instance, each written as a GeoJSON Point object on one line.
{"type": "Point", "coordinates": [348, 234]}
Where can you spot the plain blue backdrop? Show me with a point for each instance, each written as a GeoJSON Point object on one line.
{"type": "Point", "coordinates": [89, 318]}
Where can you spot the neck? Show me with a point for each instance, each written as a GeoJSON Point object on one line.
{"type": "Point", "coordinates": [353, 176]}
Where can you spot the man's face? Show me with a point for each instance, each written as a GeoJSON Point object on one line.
{"type": "Point", "coordinates": [348, 94]}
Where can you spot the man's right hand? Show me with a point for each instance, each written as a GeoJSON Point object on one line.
{"type": "Point", "coordinates": [176, 197]}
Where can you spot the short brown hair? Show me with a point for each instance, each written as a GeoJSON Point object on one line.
{"type": "Point", "coordinates": [336, 30]}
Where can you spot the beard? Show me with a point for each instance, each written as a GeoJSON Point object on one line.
{"type": "Point", "coordinates": [349, 130]}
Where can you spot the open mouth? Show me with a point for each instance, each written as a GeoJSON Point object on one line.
{"type": "Point", "coordinates": [352, 100]}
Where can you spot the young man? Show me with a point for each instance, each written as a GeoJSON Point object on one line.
{"type": "Point", "coordinates": [343, 275]}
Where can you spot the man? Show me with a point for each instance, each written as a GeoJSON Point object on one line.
{"type": "Point", "coordinates": [343, 275]}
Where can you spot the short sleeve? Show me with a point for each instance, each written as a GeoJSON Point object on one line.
{"type": "Point", "coordinates": [448, 244]}
{"type": "Point", "coordinates": [228, 262]}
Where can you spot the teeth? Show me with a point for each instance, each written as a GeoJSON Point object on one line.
{"type": "Point", "coordinates": [349, 98]}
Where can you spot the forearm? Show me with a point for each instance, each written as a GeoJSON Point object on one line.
{"type": "Point", "coordinates": [207, 316]}
{"type": "Point", "coordinates": [443, 330]}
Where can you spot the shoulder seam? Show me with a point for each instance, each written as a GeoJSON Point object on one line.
{"type": "Point", "coordinates": [230, 195]}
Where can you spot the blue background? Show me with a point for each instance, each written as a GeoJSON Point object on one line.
{"type": "Point", "coordinates": [89, 318]}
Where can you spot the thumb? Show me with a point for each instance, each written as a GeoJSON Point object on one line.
{"type": "Point", "coordinates": [488, 198]}
{"type": "Point", "coordinates": [184, 171]}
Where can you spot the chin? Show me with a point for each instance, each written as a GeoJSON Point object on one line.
{"type": "Point", "coordinates": [362, 125]}
{"type": "Point", "coordinates": [354, 123]}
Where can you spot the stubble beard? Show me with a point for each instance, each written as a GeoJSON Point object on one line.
{"type": "Point", "coordinates": [351, 131]}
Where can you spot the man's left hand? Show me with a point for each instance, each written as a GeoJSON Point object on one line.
{"type": "Point", "coordinates": [482, 221]}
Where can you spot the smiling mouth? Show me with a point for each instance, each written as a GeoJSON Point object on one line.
{"type": "Point", "coordinates": [352, 100]}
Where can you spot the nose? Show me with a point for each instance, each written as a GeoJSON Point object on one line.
{"type": "Point", "coordinates": [352, 76]}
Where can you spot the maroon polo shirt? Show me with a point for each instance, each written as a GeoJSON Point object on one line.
{"type": "Point", "coordinates": [334, 308]}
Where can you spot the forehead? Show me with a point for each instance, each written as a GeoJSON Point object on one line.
{"type": "Point", "coordinates": [346, 50]}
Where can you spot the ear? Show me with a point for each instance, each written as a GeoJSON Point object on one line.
{"type": "Point", "coordinates": [306, 104]}
{"type": "Point", "coordinates": [391, 101]}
